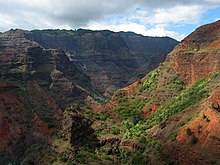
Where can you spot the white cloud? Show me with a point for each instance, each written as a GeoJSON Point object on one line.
{"type": "Point", "coordinates": [140, 16]}
{"type": "Point", "coordinates": [178, 14]}
{"type": "Point", "coordinates": [159, 30]}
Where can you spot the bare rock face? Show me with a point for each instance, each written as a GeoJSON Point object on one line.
{"type": "Point", "coordinates": [198, 55]}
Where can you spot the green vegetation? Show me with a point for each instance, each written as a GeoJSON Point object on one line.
{"type": "Point", "coordinates": [199, 128]}
{"type": "Point", "coordinates": [138, 159]}
{"type": "Point", "coordinates": [176, 83]}
{"type": "Point", "coordinates": [110, 155]}
{"type": "Point", "coordinates": [143, 139]}
{"type": "Point", "coordinates": [169, 69]}
{"type": "Point", "coordinates": [173, 136]}
{"type": "Point", "coordinates": [189, 97]}
{"type": "Point", "coordinates": [185, 121]}
{"type": "Point", "coordinates": [52, 160]}
{"type": "Point", "coordinates": [150, 80]}
{"type": "Point", "coordinates": [130, 109]}
{"type": "Point", "coordinates": [212, 161]}
{"type": "Point", "coordinates": [41, 148]}
{"type": "Point", "coordinates": [19, 69]}
{"type": "Point", "coordinates": [95, 116]}
{"type": "Point", "coordinates": [188, 131]}
{"type": "Point", "coordinates": [205, 118]}
{"type": "Point", "coordinates": [115, 130]}
{"type": "Point", "coordinates": [194, 139]}
{"type": "Point", "coordinates": [5, 159]}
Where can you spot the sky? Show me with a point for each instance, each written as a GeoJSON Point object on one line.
{"type": "Point", "coordinates": [173, 18]}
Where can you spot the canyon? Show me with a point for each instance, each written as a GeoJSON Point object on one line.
{"type": "Point", "coordinates": [100, 97]}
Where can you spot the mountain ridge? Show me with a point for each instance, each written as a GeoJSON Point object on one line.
{"type": "Point", "coordinates": [106, 50]}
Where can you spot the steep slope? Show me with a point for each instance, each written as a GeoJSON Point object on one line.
{"type": "Point", "coordinates": [197, 56]}
{"type": "Point", "coordinates": [26, 61]}
{"type": "Point", "coordinates": [111, 60]}
{"type": "Point", "coordinates": [36, 85]}
{"type": "Point", "coordinates": [148, 50]}
{"type": "Point", "coordinates": [174, 110]}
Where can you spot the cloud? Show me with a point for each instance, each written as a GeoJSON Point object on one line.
{"type": "Point", "coordinates": [158, 30]}
{"type": "Point", "coordinates": [180, 14]}
{"type": "Point", "coordinates": [141, 16]}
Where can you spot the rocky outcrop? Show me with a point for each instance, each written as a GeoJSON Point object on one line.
{"type": "Point", "coordinates": [197, 56]}
{"type": "Point", "coordinates": [77, 129]}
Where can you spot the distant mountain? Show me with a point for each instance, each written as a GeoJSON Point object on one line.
{"type": "Point", "coordinates": [111, 60]}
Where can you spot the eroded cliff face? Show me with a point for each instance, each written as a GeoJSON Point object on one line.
{"type": "Point", "coordinates": [111, 60]}
{"type": "Point", "coordinates": [27, 61]}
{"type": "Point", "coordinates": [198, 55]}
{"type": "Point", "coordinates": [36, 85]}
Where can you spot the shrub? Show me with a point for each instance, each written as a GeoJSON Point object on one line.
{"type": "Point", "coordinates": [173, 136]}
{"type": "Point", "coordinates": [199, 127]}
{"type": "Point", "coordinates": [185, 122]}
{"type": "Point", "coordinates": [213, 161]}
{"type": "Point", "coordinates": [150, 80]}
{"type": "Point", "coordinates": [115, 131]}
{"type": "Point", "coordinates": [52, 160]}
{"type": "Point", "coordinates": [215, 106]}
{"type": "Point", "coordinates": [63, 158]}
{"type": "Point", "coordinates": [188, 131]}
{"type": "Point", "coordinates": [138, 159]}
{"type": "Point", "coordinates": [207, 119]}
{"type": "Point", "coordinates": [194, 139]}
{"type": "Point", "coordinates": [142, 139]}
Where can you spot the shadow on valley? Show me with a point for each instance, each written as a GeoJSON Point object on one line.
{"type": "Point", "coordinates": [82, 134]}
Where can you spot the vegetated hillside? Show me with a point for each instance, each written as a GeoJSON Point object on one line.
{"type": "Point", "coordinates": [175, 109]}
{"type": "Point", "coordinates": [171, 116]}
{"type": "Point", "coordinates": [111, 60]}
{"type": "Point", "coordinates": [37, 84]}
{"type": "Point", "coordinates": [48, 108]}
